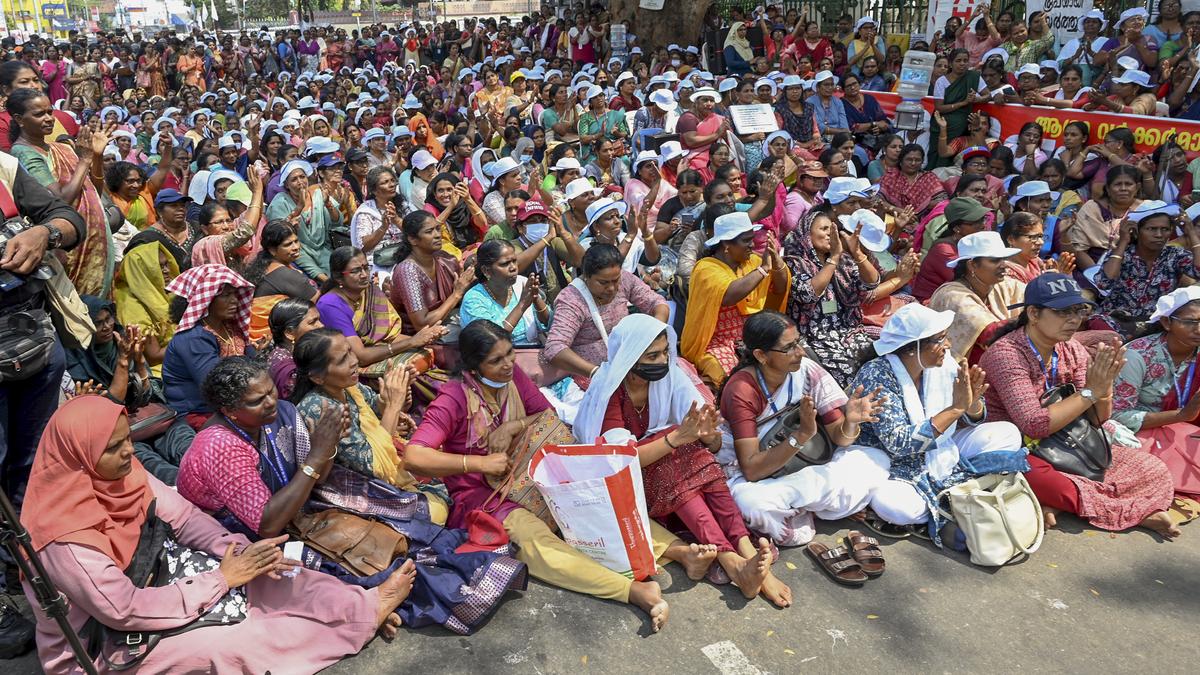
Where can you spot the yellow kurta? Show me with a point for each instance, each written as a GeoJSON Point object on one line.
{"type": "Point", "coordinates": [710, 280]}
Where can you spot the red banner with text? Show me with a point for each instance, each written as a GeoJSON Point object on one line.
{"type": "Point", "coordinates": [1148, 132]}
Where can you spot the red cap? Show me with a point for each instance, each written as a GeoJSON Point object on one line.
{"type": "Point", "coordinates": [531, 208]}
{"type": "Point", "coordinates": [484, 533]}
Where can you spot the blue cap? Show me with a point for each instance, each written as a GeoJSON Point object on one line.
{"type": "Point", "coordinates": [169, 196]}
{"type": "Point", "coordinates": [329, 160]}
{"type": "Point", "coordinates": [1053, 290]}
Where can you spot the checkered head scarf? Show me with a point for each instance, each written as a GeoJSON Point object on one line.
{"type": "Point", "coordinates": [201, 284]}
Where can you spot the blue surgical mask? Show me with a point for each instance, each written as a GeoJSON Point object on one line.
{"type": "Point", "coordinates": [526, 159]}
{"type": "Point", "coordinates": [492, 383]}
{"type": "Point", "coordinates": [535, 231]}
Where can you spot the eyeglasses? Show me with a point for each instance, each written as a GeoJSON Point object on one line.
{"type": "Point", "coordinates": [1033, 236]}
{"type": "Point", "coordinates": [358, 271]}
{"type": "Point", "coordinates": [797, 346]}
{"type": "Point", "coordinates": [1190, 324]}
{"type": "Point", "coordinates": [1077, 312]}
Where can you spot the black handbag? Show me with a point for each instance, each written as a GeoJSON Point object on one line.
{"type": "Point", "coordinates": [817, 450]}
{"type": "Point", "coordinates": [1081, 447]}
{"type": "Point", "coordinates": [159, 561]}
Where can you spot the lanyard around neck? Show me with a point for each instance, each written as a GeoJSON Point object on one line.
{"type": "Point", "coordinates": [1051, 379]}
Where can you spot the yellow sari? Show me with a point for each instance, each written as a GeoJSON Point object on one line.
{"type": "Point", "coordinates": [141, 295]}
{"type": "Point", "coordinates": [710, 331]}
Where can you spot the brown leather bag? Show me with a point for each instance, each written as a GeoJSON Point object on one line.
{"type": "Point", "coordinates": [362, 546]}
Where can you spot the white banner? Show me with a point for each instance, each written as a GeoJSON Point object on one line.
{"type": "Point", "coordinates": [1064, 16]}
{"type": "Point", "coordinates": [940, 11]}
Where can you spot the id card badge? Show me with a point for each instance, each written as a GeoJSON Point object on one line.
{"type": "Point", "coordinates": [829, 306]}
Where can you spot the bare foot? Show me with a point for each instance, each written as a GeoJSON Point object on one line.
{"type": "Point", "coordinates": [776, 591]}
{"type": "Point", "coordinates": [647, 595]}
{"type": "Point", "coordinates": [390, 627]}
{"type": "Point", "coordinates": [392, 592]}
{"type": "Point", "coordinates": [1050, 517]}
{"type": "Point", "coordinates": [750, 574]}
{"type": "Point", "coordinates": [697, 558]}
{"type": "Point", "coordinates": [1161, 523]}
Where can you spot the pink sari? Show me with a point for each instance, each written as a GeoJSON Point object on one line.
{"type": "Point", "coordinates": [697, 158]}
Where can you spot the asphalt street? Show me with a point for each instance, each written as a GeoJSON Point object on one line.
{"type": "Point", "coordinates": [1087, 601]}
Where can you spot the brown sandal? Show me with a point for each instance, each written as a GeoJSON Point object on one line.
{"type": "Point", "coordinates": [837, 563]}
{"type": "Point", "coordinates": [866, 552]}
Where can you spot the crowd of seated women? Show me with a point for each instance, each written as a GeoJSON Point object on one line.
{"type": "Point", "coordinates": [345, 306]}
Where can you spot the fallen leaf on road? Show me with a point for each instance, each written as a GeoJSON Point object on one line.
{"type": "Point", "coordinates": [583, 660]}
{"type": "Point", "coordinates": [789, 652]}
{"type": "Point", "coordinates": [1089, 533]}
{"type": "Point", "coordinates": [1094, 592]}
{"type": "Point", "coordinates": [872, 616]}
{"type": "Point", "coordinates": [1159, 581]}
{"type": "Point", "coordinates": [790, 566]}
{"type": "Point", "coordinates": [770, 633]}
{"type": "Point", "coordinates": [1051, 565]}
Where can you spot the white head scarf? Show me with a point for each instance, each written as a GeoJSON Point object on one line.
{"type": "Point", "coordinates": [670, 398]}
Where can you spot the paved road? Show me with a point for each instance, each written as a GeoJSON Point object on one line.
{"type": "Point", "coordinates": [1088, 601]}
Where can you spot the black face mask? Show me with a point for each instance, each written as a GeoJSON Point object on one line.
{"type": "Point", "coordinates": [651, 372]}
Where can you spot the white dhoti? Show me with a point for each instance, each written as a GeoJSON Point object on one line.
{"type": "Point", "coordinates": [783, 508]}
{"type": "Point", "coordinates": [900, 503]}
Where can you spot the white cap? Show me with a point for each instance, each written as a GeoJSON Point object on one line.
{"type": "Point", "coordinates": [705, 92]}
{"type": "Point", "coordinates": [664, 99]}
{"type": "Point", "coordinates": [602, 206]}
{"type": "Point", "coordinates": [822, 76]}
{"type": "Point", "coordinates": [986, 244]}
{"type": "Point", "coordinates": [1096, 14]}
{"type": "Point", "coordinates": [593, 90]}
{"type": "Point", "coordinates": [1030, 69]}
{"type": "Point", "coordinates": [566, 164]}
{"type": "Point", "coordinates": [1152, 207]}
{"type": "Point", "coordinates": [1193, 211]}
{"type": "Point", "coordinates": [874, 232]}
{"type": "Point", "coordinates": [997, 51]}
{"type": "Point", "coordinates": [1033, 188]}
{"type": "Point", "coordinates": [671, 150]}
{"type": "Point", "coordinates": [422, 160]}
{"type": "Point", "coordinates": [643, 157]}
{"type": "Point", "coordinates": [579, 187]}
{"type": "Point", "coordinates": [731, 226]}
{"type": "Point", "coordinates": [1172, 301]}
{"type": "Point", "coordinates": [794, 81]}
{"type": "Point", "coordinates": [292, 166]}
{"type": "Point", "coordinates": [727, 84]}
{"type": "Point", "coordinates": [911, 322]}
{"type": "Point", "coordinates": [502, 166]}
{"type": "Point", "coordinates": [1129, 14]}
{"type": "Point", "coordinates": [840, 189]}
{"type": "Point", "coordinates": [864, 21]}
{"type": "Point", "coordinates": [1133, 77]}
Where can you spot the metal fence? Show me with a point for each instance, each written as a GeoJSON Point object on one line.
{"type": "Point", "coordinates": [895, 16]}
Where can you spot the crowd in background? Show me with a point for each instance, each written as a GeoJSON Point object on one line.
{"type": "Point", "coordinates": [268, 276]}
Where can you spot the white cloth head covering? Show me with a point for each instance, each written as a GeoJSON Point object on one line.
{"type": "Point", "coordinates": [1172, 301]}
{"type": "Point", "coordinates": [198, 188]}
{"type": "Point", "coordinates": [670, 398]}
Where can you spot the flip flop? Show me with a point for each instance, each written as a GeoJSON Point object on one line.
{"type": "Point", "coordinates": [866, 553]}
{"type": "Point", "coordinates": [837, 563]}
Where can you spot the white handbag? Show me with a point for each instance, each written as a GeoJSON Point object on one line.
{"type": "Point", "coordinates": [999, 515]}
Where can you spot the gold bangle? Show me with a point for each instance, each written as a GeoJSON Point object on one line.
{"type": "Point", "coordinates": [465, 469]}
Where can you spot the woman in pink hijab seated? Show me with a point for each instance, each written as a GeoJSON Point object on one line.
{"type": "Point", "coordinates": [97, 519]}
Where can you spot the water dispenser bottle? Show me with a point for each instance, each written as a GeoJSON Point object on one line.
{"type": "Point", "coordinates": [915, 75]}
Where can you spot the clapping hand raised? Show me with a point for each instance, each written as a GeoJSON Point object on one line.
{"type": "Point", "coordinates": [865, 408]}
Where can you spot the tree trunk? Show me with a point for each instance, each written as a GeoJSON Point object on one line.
{"type": "Point", "coordinates": [678, 22]}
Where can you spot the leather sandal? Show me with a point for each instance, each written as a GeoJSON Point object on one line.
{"type": "Point", "coordinates": [870, 520]}
{"type": "Point", "coordinates": [866, 552]}
{"type": "Point", "coordinates": [837, 563]}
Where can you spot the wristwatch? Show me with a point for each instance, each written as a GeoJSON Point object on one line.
{"type": "Point", "coordinates": [1088, 394]}
{"type": "Point", "coordinates": [310, 472]}
{"type": "Point", "coordinates": [791, 440]}
{"type": "Point", "coordinates": [55, 239]}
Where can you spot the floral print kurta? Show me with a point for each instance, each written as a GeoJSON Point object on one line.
{"type": "Point", "coordinates": [1139, 285]}
{"type": "Point", "coordinates": [1145, 380]}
